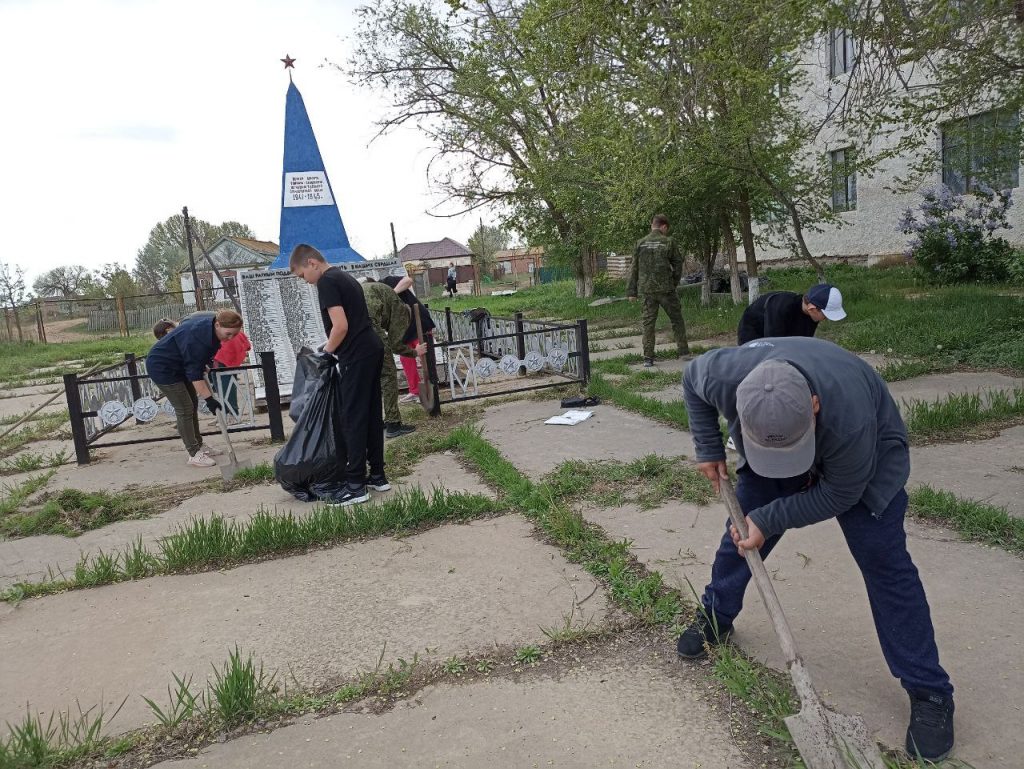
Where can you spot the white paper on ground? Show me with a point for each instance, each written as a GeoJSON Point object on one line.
{"type": "Point", "coordinates": [572, 417]}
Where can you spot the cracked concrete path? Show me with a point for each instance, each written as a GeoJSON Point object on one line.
{"type": "Point", "coordinates": [35, 558]}
{"type": "Point", "coordinates": [932, 387]}
{"type": "Point", "coordinates": [321, 617]}
{"type": "Point", "coordinates": [989, 471]}
{"type": "Point", "coordinates": [640, 709]}
{"type": "Point", "coordinates": [975, 597]}
{"type": "Point", "coordinates": [517, 429]}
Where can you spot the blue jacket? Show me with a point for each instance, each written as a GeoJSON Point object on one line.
{"type": "Point", "coordinates": [861, 451]}
{"type": "Point", "coordinates": [184, 354]}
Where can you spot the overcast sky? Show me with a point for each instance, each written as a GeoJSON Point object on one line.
{"type": "Point", "coordinates": [119, 112]}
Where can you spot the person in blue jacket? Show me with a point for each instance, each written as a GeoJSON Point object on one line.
{"type": "Point", "coordinates": [819, 438]}
{"type": "Point", "coordinates": [177, 365]}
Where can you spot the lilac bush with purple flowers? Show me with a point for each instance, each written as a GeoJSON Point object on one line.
{"type": "Point", "coordinates": [953, 236]}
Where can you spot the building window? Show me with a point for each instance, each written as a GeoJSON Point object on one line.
{"type": "Point", "coordinates": [230, 285]}
{"type": "Point", "coordinates": [981, 149]}
{"type": "Point", "coordinates": [840, 52]}
{"type": "Point", "coordinates": [844, 180]}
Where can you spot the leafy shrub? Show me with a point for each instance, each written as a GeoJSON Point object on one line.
{"type": "Point", "coordinates": [953, 236]}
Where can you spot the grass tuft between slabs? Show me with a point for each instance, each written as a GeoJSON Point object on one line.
{"type": "Point", "coordinates": [947, 418]}
{"type": "Point", "coordinates": [974, 521]}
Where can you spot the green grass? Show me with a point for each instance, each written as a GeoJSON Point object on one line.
{"type": "Point", "coordinates": [32, 431]}
{"type": "Point", "coordinates": [261, 473]}
{"type": "Point", "coordinates": [647, 481]}
{"type": "Point", "coordinates": [12, 497]}
{"type": "Point", "coordinates": [18, 360]}
{"type": "Point", "coordinates": [215, 542]}
{"type": "Point", "coordinates": [888, 309]}
{"type": "Point", "coordinates": [62, 739]}
{"type": "Point", "coordinates": [907, 369]}
{"type": "Point", "coordinates": [671, 413]}
{"type": "Point", "coordinates": [974, 521]}
{"type": "Point", "coordinates": [948, 418]}
{"type": "Point", "coordinates": [28, 461]}
{"type": "Point", "coordinates": [72, 512]}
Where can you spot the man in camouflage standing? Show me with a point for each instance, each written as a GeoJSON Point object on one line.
{"type": "Point", "coordinates": [656, 271]}
{"type": "Point", "coordinates": [390, 318]}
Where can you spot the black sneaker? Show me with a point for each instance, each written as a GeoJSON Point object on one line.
{"type": "Point", "coordinates": [930, 734]}
{"type": "Point", "coordinates": [378, 483]}
{"type": "Point", "coordinates": [397, 429]}
{"type": "Point", "coordinates": [351, 496]}
{"type": "Point", "coordinates": [693, 643]}
{"type": "Point", "coordinates": [648, 362]}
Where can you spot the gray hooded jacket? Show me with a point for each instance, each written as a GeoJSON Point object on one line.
{"type": "Point", "coordinates": [861, 452]}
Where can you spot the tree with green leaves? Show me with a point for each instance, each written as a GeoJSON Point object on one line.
{"type": "Point", "coordinates": [485, 242]}
{"type": "Point", "coordinates": [13, 291]}
{"type": "Point", "coordinates": [65, 281]}
{"type": "Point", "coordinates": [165, 253]}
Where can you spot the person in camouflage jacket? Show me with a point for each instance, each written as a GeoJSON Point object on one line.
{"type": "Point", "coordinates": [656, 271]}
{"type": "Point", "coordinates": [390, 318]}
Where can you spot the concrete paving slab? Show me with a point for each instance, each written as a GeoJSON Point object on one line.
{"type": "Point", "coordinates": [517, 429]}
{"type": "Point", "coordinates": [641, 711]}
{"type": "Point", "coordinates": [10, 407]}
{"type": "Point", "coordinates": [932, 387]}
{"type": "Point", "coordinates": [35, 558]}
{"type": "Point", "coordinates": [320, 617]}
{"type": "Point", "coordinates": [975, 597]}
{"type": "Point", "coordinates": [990, 471]}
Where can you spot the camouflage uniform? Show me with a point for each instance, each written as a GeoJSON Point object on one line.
{"type": "Point", "coordinates": [390, 318]}
{"type": "Point", "coordinates": [656, 271]}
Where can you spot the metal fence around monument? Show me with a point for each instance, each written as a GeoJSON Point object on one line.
{"type": "Point", "coordinates": [123, 394]}
{"type": "Point", "coordinates": [478, 355]}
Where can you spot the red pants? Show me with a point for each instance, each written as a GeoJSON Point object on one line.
{"type": "Point", "coordinates": [411, 369]}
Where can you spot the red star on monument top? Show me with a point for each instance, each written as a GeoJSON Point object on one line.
{"type": "Point", "coordinates": [289, 62]}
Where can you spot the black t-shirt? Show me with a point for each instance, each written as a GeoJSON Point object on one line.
{"type": "Point", "coordinates": [337, 288]}
{"type": "Point", "coordinates": [779, 313]}
{"type": "Point", "coordinates": [409, 298]}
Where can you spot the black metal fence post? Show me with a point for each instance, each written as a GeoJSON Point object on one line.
{"type": "Point", "coordinates": [133, 371]}
{"type": "Point", "coordinates": [273, 395]}
{"type": "Point", "coordinates": [448, 322]}
{"type": "Point", "coordinates": [520, 340]}
{"type": "Point", "coordinates": [74, 399]}
{"type": "Point", "coordinates": [583, 350]}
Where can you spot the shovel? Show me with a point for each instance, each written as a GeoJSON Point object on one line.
{"type": "Point", "coordinates": [825, 739]}
{"type": "Point", "coordinates": [608, 300]}
{"type": "Point", "coordinates": [428, 389]}
{"type": "Point", "coordinates": [230, 470]}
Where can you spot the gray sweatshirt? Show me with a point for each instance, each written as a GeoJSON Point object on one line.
{"type": "Point", "coordinates": [861, 452]}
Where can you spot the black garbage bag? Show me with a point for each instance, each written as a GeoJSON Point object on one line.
{"type": "Point", "coordinates": [307, 376]}
{"type": "Point", "coordinates": [311, 465]}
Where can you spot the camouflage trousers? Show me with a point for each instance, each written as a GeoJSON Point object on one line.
{"type": "Point", "coordinates": [669, 301]}
{"type": "Point", "coordinates": [389, 388]}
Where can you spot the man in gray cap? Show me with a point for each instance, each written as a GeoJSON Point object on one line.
{"type": "Point", "coordinates": [819, 437]}
{"type": "Point", "coordinates": [786, 313]}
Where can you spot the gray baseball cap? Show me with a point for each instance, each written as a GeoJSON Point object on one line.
{"type": "Point", "coordinates": [777, 419]}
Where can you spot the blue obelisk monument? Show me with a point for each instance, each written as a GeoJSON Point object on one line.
{"type": "Point", "coordinates": [309, 210]}
{"type": "Point", "coordinates": [280, 312]}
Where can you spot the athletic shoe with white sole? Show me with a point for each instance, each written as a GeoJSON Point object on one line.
{"type": "Point", "coordinates": [378, 483]}
{"type": "Point", "coordinates": [201, 459]}
{"type": "Point", "coordinates": [409, 398]}
{"type": "Point", "coordinates": [351, 496]}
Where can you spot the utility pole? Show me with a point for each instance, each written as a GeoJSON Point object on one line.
{"type": "Point", "coordinates": [394, 243]}
{"type": "Point", "coordinates": [197, 291]}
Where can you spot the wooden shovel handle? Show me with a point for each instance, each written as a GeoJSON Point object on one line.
{"type": "Point", "coordinates": [760, 575]}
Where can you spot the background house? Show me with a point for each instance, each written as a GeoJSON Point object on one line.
{"type": "Point", "coordinates": [437, 255]}
{"type": "Point", "coordinates": [232, 256]}
{"type": "Point", "coordinates": [520, 261]}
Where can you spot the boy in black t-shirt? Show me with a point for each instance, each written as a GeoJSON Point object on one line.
{"type": "Point", "coordinates": [360, 354]}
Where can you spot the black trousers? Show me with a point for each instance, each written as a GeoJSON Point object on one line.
{"type": "Point", "coordinates": [362, 422]}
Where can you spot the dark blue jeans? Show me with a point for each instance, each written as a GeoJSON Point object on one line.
{"type": "Point", "coordinates": [879, 546]}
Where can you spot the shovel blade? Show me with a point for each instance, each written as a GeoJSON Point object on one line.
{"type": "Point", "coordinates": [229, 470]}
{"type": "Point", "coordinates": [829, 740]}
